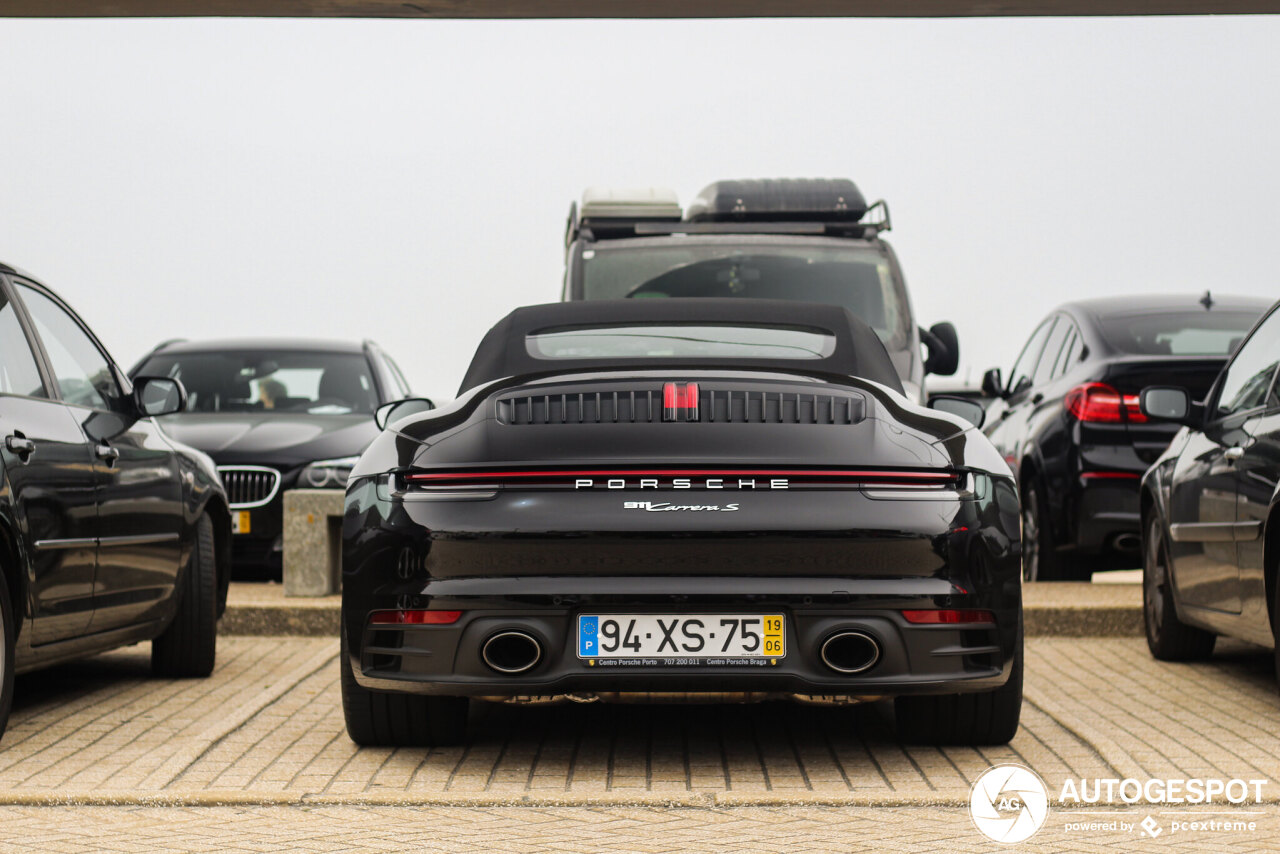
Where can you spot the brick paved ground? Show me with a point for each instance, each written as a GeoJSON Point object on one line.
{"type": "Point", "coordinates": [725, 830]}
{"type": "Point", "coordinates": [265, 735]}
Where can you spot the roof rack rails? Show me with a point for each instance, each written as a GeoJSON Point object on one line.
{"type": "Point", "coordinates": [621, 229]}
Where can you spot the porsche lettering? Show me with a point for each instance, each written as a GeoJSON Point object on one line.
{"type": "Point", "coordinates": [682, 483]}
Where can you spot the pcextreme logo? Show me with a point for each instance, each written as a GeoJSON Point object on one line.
{"type": "Point", "coordinates": [1008, 803]}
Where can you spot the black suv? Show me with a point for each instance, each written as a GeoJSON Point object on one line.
{"type": "Point", "coordinates": [111, 533]}
{"type": "Point", "coordinates": [805, 239]}
{"type": "Point", "coordinates": [276, 414]}
{"type": "Point", "coordinates": [1067, 421]}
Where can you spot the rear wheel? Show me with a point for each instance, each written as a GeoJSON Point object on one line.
{"type": "Point", "coordinates": [188, 647]}
{"type": "Point", "coordinates": [1040, 558]}
{"type": "Point", "coordinates": [385, 719]}
{"type": "Point", "coordinates": [7, 635]}
{"type": "Point", "coordinates": [986, 718]}
{"type": "Point", "coordinates": [1168, 638]}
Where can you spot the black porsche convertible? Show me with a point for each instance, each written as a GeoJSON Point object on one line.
{"type": "Point", "coordinates": [677, 498]}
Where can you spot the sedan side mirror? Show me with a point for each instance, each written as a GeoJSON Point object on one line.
{"type": "Point", "coordinates": [944, 349]}
{"type": "Point", "coordinates": [159, 395]}
{"type": "Point", "coordinates": [1170, 403]}
{"type": "Point", "coordinates": [967, 408]}
{"type": "Point", "coordinates": [400, 408]}
{"type": "Point", "coordinates": [993, 383]}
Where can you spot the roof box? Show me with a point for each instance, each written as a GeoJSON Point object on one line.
{"type": "Point", "coordinates": [649, 203]}
{"type": "Point", "coordinates": [779, 199]}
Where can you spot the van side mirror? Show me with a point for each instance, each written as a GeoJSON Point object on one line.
{"type": "Point", "coordinates": [993, 383]}
{"type": "Point", "coordinates": [944, 349]}
{"type": "Point", "coordinates": [158, 396]}
{"type": "Point", "coordinates": [401, 408]}
{"type": "Point", "coordinates": [967, 408]}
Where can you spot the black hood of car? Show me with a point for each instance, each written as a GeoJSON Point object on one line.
{"type": "Point", "coordinates": [281, 440]}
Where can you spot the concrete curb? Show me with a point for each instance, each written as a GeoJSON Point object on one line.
{"type": "Point", "coordinates": [1051, 609]}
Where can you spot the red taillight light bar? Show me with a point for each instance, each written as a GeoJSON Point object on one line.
{"type": "Point", "coordinates": [849, 476]}
{"type": "Point", "coordinates": [1101, 404]}
{"type": "Point", "coordinates": [948, 616]}
{"type": "Point", "coordinates": [414, 618]}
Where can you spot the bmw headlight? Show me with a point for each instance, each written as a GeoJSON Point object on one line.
{"type": "Point", "coordinates": [324, 474]}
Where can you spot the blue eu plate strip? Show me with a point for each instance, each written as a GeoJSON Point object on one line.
{"type": "Point", "coordinates": [588, 637]}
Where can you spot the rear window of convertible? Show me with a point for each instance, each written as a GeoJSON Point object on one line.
{"type": "Point", "coordinates": [680, 341]}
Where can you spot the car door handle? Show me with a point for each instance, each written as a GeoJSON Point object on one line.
{"type": "Point", "coordinates": [107, 453]}
{"type": "Point", "coordinates": [1039, 397]}
{"type": "Point", "coordinates": [20, 445]}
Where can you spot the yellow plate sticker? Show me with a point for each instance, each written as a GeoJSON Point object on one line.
{"type": "Point", "coordinates": [240, 522]}
{"type": "Point", "coordinates": [773, 635]}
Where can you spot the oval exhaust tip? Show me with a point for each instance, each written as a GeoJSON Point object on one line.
{"type": "Point", "coordinates": [511, 652]}
{"type": "Point", "coordinates": [850, 652]}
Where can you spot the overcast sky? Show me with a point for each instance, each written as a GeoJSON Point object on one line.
{"type": "Point", "coordinates": [407, 181]}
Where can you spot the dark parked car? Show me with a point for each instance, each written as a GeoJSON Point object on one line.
{"type": "Point", "coordinates": [275, 414]}
{"type": "Point", "coordinates": [1067, 419]}
{"type": "Point", "coordinates": [111, 533]}
{"type": "Point", "coordinates": [805, 239]}
{"type": "Point", "coordinates": [1211, 508]}
{"type": "Point", "coordinates": [685, 496]}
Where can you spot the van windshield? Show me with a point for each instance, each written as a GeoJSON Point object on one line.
{"type": "Point", "coordinates": [753, 267]}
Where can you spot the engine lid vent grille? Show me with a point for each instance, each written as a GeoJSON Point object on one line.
{"type": "Point", "coordinates": [714, 406]}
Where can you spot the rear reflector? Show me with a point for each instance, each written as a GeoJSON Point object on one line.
{"type": "Point", "coordinates": [414, 618]}
{"type": "Point", "coordinates": [927, 618]}
{"type": "Point", "coordinates": [1109, 475]}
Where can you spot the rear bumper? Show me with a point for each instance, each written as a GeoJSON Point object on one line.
{"type": "Point", "coordinates": [828, 561]}
{"type": "Point", "coordinates": [1108, 517]}
{"type": "Point", "coordinates": [913, 659]}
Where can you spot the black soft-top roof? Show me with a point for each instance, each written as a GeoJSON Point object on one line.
{"type": "Point", "coordinates": [858, 351]}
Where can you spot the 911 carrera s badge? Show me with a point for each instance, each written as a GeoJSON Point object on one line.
{"type": "Point", "coordinates": [660, 506]}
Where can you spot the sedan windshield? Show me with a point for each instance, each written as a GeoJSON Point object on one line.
{"type": "Point", "coordinates": [270, 381]}
{"type": "Point", "coordinates": [857, 278]}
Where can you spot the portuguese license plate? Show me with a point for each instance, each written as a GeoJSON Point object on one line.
{"type": "Point", "coordinates": [681, 636]}
{"type": "Point", "coordinates": [240, 522]}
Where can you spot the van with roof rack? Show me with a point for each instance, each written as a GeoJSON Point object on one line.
{"type": "Point", "coordinates": [805, 239]}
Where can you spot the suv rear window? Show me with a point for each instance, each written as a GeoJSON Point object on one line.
{"type": "Point", "coordinates": [857, 278]}
{"type": "Point", "coordinates": [1183, 333]}
{"type": "Point", "coordinates": [667, 341]}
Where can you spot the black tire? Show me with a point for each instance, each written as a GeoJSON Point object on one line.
{"type": "Point", "coordinates": [985, 718]}
{"type": "Point", "coordinates": [1041, 560]}
{"type": "Point", "coordinates": [385, 719]}
{"type": "Point", "coordinates": [1168, 638]}
{"type": "Point", "coordinates": [8, 637]}
{"type": "Point", "coordinates": [188, 648]}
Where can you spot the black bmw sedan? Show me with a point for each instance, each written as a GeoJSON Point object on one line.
{"type": "Point", "coordinates": [1211, 508]}
{"type": "Point", "coordinates": [1067, 422]}
{"type": "Point", "coordinates": [674, 498]}
{"type": "Point", "coordinates": [275, 414]}
{"type": "Point", "coordinates": [111, 533]}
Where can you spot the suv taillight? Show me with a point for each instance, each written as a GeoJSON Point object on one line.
{"type": "Point", "coordinates": [1100, 403]}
